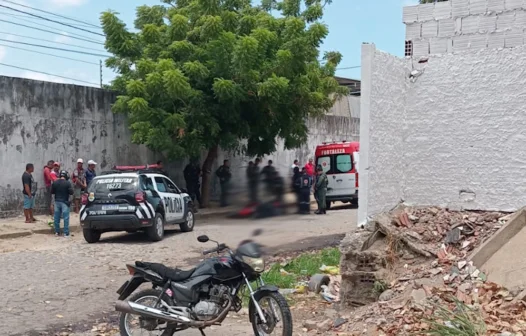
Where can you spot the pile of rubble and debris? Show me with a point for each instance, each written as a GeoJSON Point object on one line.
{"type": "Point", "coordinates": [409, 273]}
{"type": "Point", "coordinates": [421, 258]}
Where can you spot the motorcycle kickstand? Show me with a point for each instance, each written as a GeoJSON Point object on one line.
{"type": "Point", "coordinates": [202, 332]}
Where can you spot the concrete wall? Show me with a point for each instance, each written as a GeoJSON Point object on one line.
{"type": "Point", "coordinates": [458, 25]}
{"type": "Point", "coordinates": [462, 131]}
{"type": "Point", "coordinates": [384, 91]}
{"type": "Point", "coordinates": [40, 121]}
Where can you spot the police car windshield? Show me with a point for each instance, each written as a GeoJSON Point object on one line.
{"type": "Point", "coordinates": [116, 183]}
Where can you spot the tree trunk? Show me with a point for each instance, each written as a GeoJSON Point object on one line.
{"type": "Point", "coordinates": [207, 175]}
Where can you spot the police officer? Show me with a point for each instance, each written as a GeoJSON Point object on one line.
{"type": "Point", "coordinates": [305, 187]}
{"type": "Point", "coordinates": [192, 173]}
{"type": "Point", "coordinates": [320, 190]}
{"type": "Point", "coordinates": [253, 179]}
{"type": "Point", "coordinates": [224, 175]}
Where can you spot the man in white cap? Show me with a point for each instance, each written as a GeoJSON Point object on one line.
{"type": "Point", "coordinates": [90, 172]}
{"type": "Point", "coordinates": [79, 183]}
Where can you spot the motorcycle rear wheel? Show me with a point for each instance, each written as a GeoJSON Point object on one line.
{"type": "Point", "coordinates": [151, 294]}
{"type": "Point", "coordinates": [281, 304]}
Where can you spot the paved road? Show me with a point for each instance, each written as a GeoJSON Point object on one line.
{"type": "Point", "coordinates": [47, 280]}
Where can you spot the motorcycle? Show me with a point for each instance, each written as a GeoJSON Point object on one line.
{"type": "Point", "coordinates": [203, 296]}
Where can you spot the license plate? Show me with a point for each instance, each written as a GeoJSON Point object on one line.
{"type": "Point", "coordinates": [110, 207]}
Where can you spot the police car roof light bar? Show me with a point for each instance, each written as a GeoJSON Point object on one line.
{"type": "Point", "coordinates": [135, 168]}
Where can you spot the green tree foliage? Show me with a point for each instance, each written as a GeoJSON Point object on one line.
{"type": "Point", "coordinates": [197, 74]}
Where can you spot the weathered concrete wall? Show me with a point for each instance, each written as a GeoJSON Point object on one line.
{"type": "Point", "coordinates": [40, 121]}
{"type": "Point", "coordinates": [384, 90]}
{"type": "Point", "coordinates": [462, 132]}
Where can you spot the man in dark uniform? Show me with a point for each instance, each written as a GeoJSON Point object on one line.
{"type": "Point", "coordinates": [253, 179]}
{"type": "Point", "coordinates": [192, 173]}
{"type": "Point", "coordinates": [320, 190]}
{"type": "Point", "coordinates": [224, 175]}
{"type": "Point", "coordinates": [305, 188]}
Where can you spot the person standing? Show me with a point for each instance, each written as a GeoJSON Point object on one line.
{"type": "Point", "coordinates": [192, 173]}
{"type": "Point", "coordinates": [305, 188]}
{"type": "Point", "coordinates": [253, 179]}
{"type": "Point", "coordinates": [55, 173]}
{"type": "Point", "coordinates": [320, 190]}
{"type": "Point", "coordinates": [294, 165]}
{"type": "Point", "coordinates": [309, 167]}
{"type": "Point", "coordinates": [62, 190]}
{"type": "Point", "coordinates": [224, 175]}
{"type": "Point", "coordinates": [47, 181]}
{"type": "Point", "coordinates": [29, 189]}
{"type": "Point", "coordinates": [79, 183]}
{"type": "Point", "coordinates": [296, 183]}
{"type": "Point", "coordinates": [268, 173]}
{"type": "Point", "coordinates": [90, 172]}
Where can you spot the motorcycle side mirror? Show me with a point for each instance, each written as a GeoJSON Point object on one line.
{"type": "Point", "coordinates": [257, 232]}
{"type": "Point", "coordinates": [203, 239]}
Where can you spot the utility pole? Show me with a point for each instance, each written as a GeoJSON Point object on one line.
{"type": "Point", "coordinates": [100, 62]}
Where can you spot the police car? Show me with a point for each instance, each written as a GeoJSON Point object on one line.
{"type": "Point", "coordinates": [134, 198]}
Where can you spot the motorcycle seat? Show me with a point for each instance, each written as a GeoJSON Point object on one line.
{"type": "Point", "coordinates": [174, 274]}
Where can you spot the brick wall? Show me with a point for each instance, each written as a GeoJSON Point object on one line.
{"type": "Point", "coordinates": [461, 25]}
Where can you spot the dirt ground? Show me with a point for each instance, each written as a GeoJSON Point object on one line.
{"type": "Point", "coordinates": [50, 281]}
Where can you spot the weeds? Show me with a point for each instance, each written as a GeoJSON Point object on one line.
{"type": "Point", "coordinates": [301, 268]}
{"type": "Point", "coordinates": [379, 287]}
{"type": "Point", "coordinates": [462, 321]}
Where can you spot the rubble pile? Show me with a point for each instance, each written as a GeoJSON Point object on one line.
{"type": "Point", "coordinates": [422, 254]}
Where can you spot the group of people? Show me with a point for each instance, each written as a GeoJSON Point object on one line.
{"type": "Point", "coordinates": [303, 182]}
{"type": "Point", "coordinates": [59, 190]}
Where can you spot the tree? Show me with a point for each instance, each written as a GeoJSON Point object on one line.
{"type": "Point", "coordinates": [197, 75]}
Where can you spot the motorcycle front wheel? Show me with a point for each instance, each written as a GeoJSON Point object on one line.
{"type": "Point", "coordinates": [277, 315]}
{"type": "Point", "coordinates": [135, 325]}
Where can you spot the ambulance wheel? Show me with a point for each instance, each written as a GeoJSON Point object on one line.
{"type": "Point", "coordinates": [328, 205]}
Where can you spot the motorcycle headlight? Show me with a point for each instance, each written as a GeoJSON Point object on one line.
{"type": "Point", "coordinates": [258, 264]}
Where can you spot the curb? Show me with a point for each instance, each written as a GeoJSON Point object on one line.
{"type": "Point", "coordinates": [17, 234]}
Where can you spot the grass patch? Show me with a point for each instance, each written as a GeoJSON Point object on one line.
{"type": "Point", "coordinates": [301, 268]}
{"type": "Point", "coordinates": [461, 321]}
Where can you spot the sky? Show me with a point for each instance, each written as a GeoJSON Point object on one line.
{"type": "Point", "coordinates": [351, 23]}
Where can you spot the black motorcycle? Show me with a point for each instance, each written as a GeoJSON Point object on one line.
{"type": "Point", "coordinates": [203, 296]}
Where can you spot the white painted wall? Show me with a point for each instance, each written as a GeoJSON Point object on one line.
{"type": "Point", "coordinates": [384, 90]}
{"type": "Point", "coordinates": [456, 138]}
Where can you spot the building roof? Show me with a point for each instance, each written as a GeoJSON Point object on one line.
{"type": "Point", "coordinates": [354, 85]}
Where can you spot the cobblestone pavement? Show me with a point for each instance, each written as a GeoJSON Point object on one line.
{"type": "Point", "coordinates": [47, 280]}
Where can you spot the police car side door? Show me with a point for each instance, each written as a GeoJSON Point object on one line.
{"type": "Point", "coordinates": [175, 194]}
{"type": "Point", "coordinates": [166, 200]}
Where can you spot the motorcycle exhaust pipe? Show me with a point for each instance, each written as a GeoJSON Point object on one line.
{"type": "Point", "coordinates": [145, 311]}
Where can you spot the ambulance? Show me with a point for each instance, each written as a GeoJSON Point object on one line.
{"type": "Point", "coordinates": [339, 161]}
